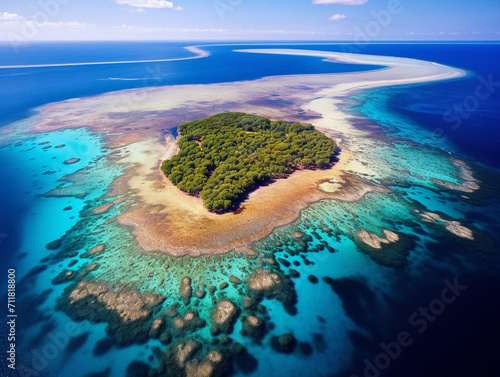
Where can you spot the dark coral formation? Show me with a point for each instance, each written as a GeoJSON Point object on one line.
{"type": "Point", "coordinates": [390, 254]}
{"type": "Point", "coordinates": [97, 249]}
{"type": "Point", "coordinates": [54, 245]}
{"type": "Point", "coordinates": [166, 338]}
{"type": "Point", "coordinates": [253, 326]}
{"type": "Point", "coordinates": [137, 369]}
{"type": "Point", "coordinates": [71, 161]}
{"type": "Point", "coordinates": [285, 343]}
{"type": "Point", "coordinates": [313, 279]}
{"type": "Point", "coordinates": [223, 317]}
{"type": "Point", "coordinates": [189, 322]}
{"type": "Point", "coordinates": [272, 284]}
{"type": "Point", "coordinates": [185, 290]}
{"type": "Point", "coordinates": [103, 346]}
{"type": "Point", "coordinates": [200, 294]}
{"type": "Point", "coordinates": [156, 328]}
{"type": "Point", "coordinates": [233, 279]}
{"type": "Point", "coordinates": [127, 312]}
{"type": "Point", "coordinates": [188, 357]}
{"type": "Point", "coordinates": [64, 276]}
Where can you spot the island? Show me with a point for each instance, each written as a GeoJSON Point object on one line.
{"type": "Point", "coordinates": [225, 156]}
{"type": "Point", "coordinates": [166, 220]}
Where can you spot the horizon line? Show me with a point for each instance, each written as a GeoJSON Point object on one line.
{"type": "Point", "coordinates": [317, 41]}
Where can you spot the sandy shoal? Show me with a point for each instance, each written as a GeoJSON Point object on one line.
{"type": "Point", "coordinates": [171, 221]}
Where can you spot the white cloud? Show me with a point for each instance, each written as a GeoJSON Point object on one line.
{"type": "Point", "coordinates": [337, 17]}
{"type": "Point", "coordinates": [72, 25]}
{"type": "Point", "coordinates": [170, 31]}
{"type": "Point", "coordinates": [342, 2]}
{"type": "Point", "coordinates": [70, 30]}
{"type": "Point", "coordinates": [132, 28]}
{"type": "Point", "coordinates": [154, 4]}
{"type": "Point", "coordinates": [10, 16]}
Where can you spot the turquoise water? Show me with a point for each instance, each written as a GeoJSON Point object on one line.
{"type": "Point", "coordinates": [30, 170]}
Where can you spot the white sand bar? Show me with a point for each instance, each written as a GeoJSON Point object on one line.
{"type": "Point", "coordinates": [400, 70]}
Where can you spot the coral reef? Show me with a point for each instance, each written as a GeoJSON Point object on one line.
{"type": "Point", "coordinates": [99, 210]}
{"type": "Point", "coordinates": [223, 317]}
{"type": "Point", "coordinates": [285, 343]}
{"type": "Point", "coordinates": [127, 312]}
{"type": "Point", "coordinates": [375, 241]}
{"type": "Point", "coordinates": [271, 284]}
{"type": "Point", "coordinates": [97, 249]}
{"type": "Point", "coordinates": [452, 226]}
{"type": "Point", "coordinates": [185, 290]}
{"type": "Point", "coordinates": [252, 326]}
{"type": "Point", "coordinates": [391, 250]}
{"type": "Point", "coordinates": [189, 358]}
{"type": "Point", "coordinates": [188, 323]}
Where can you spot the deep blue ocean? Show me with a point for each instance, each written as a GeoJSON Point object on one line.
{"type": "Point", "coordinates": [462, 114]}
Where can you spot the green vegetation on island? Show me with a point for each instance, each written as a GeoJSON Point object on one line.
{"type": "Point", "coordinates": [223, 157]}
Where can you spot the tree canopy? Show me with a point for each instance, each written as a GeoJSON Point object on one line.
{"type": "Point", "coordinates": [223, 157]}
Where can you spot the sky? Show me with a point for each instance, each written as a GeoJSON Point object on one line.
{"type": "Point", "coordinates": [318, 20]}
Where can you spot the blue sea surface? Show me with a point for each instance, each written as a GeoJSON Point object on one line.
{"type": "Point", "coordinates": [357, 304]}
{"type": "Point", "coordinates": [464, 112]}
{"type": "Point", "coordinates": [52, 84]}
